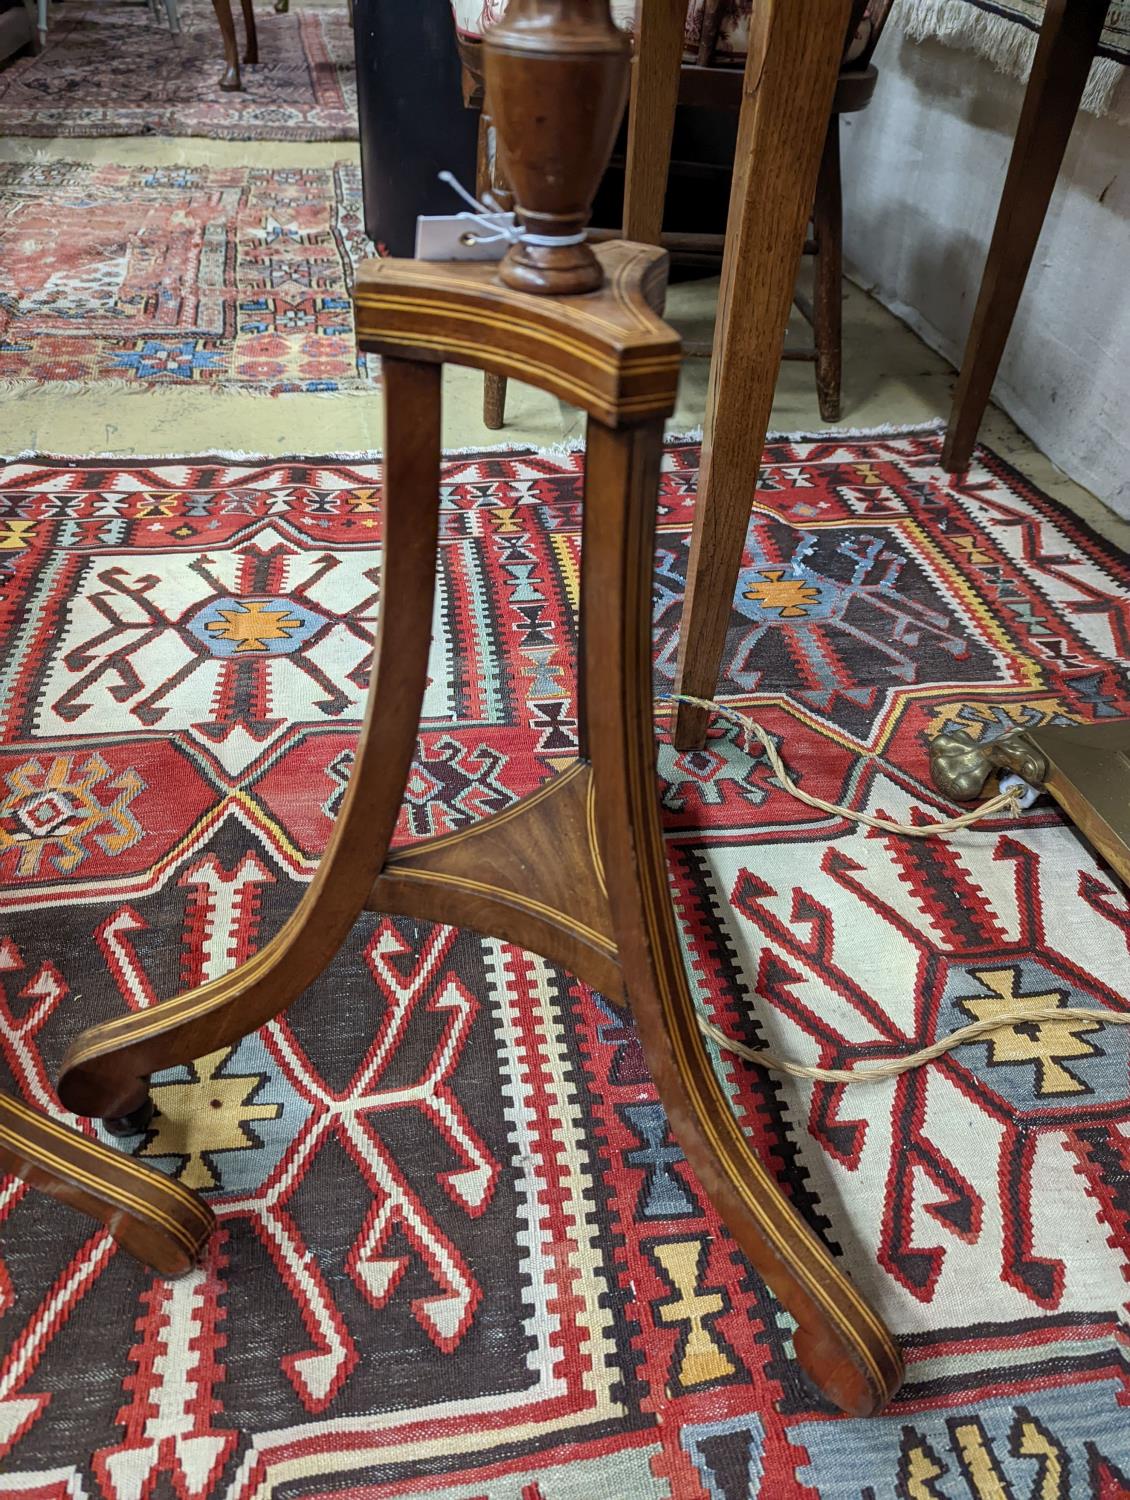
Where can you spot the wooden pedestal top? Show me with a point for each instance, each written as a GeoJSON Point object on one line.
{"type": "Point", "coordinates": [607, 352]}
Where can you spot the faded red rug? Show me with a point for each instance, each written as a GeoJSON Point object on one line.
{"type": "Point", "coordinates": [180, 276]}
{"type": "Point", "coordinates": [460, 1256]}
{"type": "Point", "coordinates": [107, 70]}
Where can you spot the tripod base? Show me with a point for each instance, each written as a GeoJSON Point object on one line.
{"type": "Point", "coordinates": [576, 870]}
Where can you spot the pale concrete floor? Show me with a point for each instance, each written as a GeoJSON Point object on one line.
{"type": "Point", "coordinates": [890, 376]}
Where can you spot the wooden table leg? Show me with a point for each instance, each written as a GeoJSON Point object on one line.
{"type": "Point", "coordinates": [840, 1342]}
{"type": "Point", "coordinates": [790, 79]}
{"type": "Point", "coordinates": [230, 82]}
{"type": "Point", "coordinates": [154, 1218]}
{"type": "Point", "coordinates": [106, 1070]}
{"type": "Point", "coordinates": [1069, 38]}
{"type": "Point", "coordinates": [651, 117]}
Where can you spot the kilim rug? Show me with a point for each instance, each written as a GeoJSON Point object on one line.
{"type": "Point", "coordinates": [106, 70]}
{"type": "Point", "coordinates": [1005, 31]}
{"type": "Point", "coordinates": [459, 1254]}
{"type": "Point", "coordinates": [184, 276]}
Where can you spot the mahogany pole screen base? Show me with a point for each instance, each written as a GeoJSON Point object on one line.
{"type": "Point", "coordinates": [576, 870]}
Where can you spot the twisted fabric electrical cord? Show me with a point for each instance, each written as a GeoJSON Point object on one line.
{"type": "Point", "coordinates": [880, 1072]}
{"type": "Point", "coordinates": [1004, 802]}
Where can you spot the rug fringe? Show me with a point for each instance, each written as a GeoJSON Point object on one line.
{"type": "Point", "coordinates": [828, 434]}
{"type": "Point", "coordinates": [1008, 44]}
{"type": "Point", "coordinates": [563, 449]}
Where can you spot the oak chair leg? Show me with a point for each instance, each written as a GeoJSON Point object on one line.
{"type": "Point", "coordinates": [251, 35]}
{"type": "Point", "coordinates": [1068, 41]}
{"type": "Point", "coordinates": [828, 300]}
{"type": "Point", "coordinates": [230, 82]}
{"type": "Point", "coordinates": [154, 1218]}
{"type": "Point", "coordinates": [651, 118]}
{"type": "Point", "coordinates": [494, 386]}
{"type": "Point", "coordinates": [106, 1070]}
{"type": "Point", "coordinates": [839, 1341]}
{"type": "Point", "coordinates": [494, 401]}
{"type": "Point", "coordinates": [781, 130]}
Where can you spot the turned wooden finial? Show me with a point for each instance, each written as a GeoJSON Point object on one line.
{"type": "Point", "coordinates": [556, 78]}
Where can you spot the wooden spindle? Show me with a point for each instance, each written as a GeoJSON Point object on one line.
{"type": "Point", "coordinates": [556, 80]}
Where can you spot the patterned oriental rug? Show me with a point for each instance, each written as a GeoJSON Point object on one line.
{"type": "Point", "coordinates": [460, 1255]}
{"type": "Point", "coordinates": [1005, 31]}
{"type": "Point", "coordinates": [107, 70]}
{"type": "Point", "coordinates": [237, 277]}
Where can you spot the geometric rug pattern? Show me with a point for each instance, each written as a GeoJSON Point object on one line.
{"type": "Point", "coordinates": [460, 1255]}
{"type": "Point", "coordinates": [107, 69]}
{"type": "Point", "coordinates": [235, 277]}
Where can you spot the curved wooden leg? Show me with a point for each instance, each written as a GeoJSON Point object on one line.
{"type": "Point", "coordinates": [828, 301]}
{"type": "Point", "coordinates": [251, 49]}
{"type": "Point", "coordinates": [156, 1219]}
{"type": "Point", "coordinates": [106, 1070]}
{"type": "Point", "coordinates": [840, 1341]}
{"type": "Point", "coordinates": [230, 82]}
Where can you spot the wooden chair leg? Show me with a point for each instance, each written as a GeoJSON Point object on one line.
{"type": "Point", "coordinates": [1069, 38]}
{"type": "Point", "coordinates": [251, 35]}
{"type": "Point", "coordinates": [651, 118]}
{"type": "Point", "coordinates": [494, 386]}
{"type": "Point", "coordinates": [494, 401]}
{"type": "Point", "coordinates": [781, 131]}
{"type": "Point", "coordinates": [230, 82]}
{"type": "Point", "coordinates": [828, 301]}
{"type": "Point", "coordinates": [840, 1341]}
{"type": "Point", "coordinates": [151, 1216]}
{"type": "Point", "coordinates": [106, 1070]}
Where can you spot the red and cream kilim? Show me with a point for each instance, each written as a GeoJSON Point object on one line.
{"type": "Point", "coordinates": [460, 1254]}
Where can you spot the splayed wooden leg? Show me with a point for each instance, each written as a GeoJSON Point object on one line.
{"type": "Point", "coordinates": [841, 1342]}
{"type": "Point", "coordinates": [106, 1070]}
{"type": "Point", "coordinates": [155, 1219]}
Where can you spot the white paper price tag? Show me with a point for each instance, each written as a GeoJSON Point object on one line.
{"type": "Point", "coordinates": [463, 236]}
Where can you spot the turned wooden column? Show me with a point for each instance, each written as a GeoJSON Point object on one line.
{"type": "Point", "coordinates": [556, 75]}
